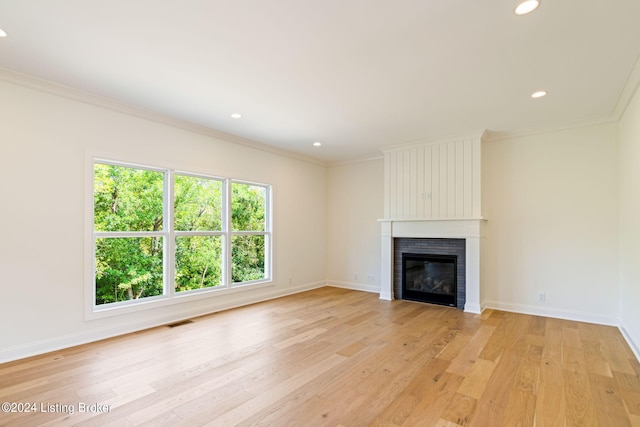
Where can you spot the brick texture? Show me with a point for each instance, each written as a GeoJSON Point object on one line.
{"type": "Point", "coordinates": [403, 245]}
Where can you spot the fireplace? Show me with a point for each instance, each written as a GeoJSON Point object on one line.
{"type": "Point", "coordinates": [430, 270]}
{"type": "Point", "coordinates": [462, 237]}
{"type": "Point", "coordinates": [429, 278]}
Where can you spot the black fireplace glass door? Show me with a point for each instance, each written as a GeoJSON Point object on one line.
{"type": "Point", "coordinates": [429, 278]}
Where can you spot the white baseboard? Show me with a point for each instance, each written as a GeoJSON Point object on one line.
{"type": "Point", "coordinates": [71, 340]}
{"type": "Point", "coordinates": [354, 286]}
{"type": "Point", "coordinates": [579, 316]}
{"type": "Point", "coordinates": [632, 340]}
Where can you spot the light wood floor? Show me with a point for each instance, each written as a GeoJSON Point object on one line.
{"type": "Point", "coordinates": [333, 357]}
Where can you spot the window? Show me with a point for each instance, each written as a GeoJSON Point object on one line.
{"type": "Point", "coordinates": [198, 218]}
{"type": "Point", "coordinates": [159, 234]}
{"type": "Point", "coordinates": [248, 232]}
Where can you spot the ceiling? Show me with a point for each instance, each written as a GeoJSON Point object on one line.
{"type": "Point", "coordinates": [356, 75]}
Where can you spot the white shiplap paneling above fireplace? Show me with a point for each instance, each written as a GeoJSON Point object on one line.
{"type": "Point", "coordinates": [439, 180]}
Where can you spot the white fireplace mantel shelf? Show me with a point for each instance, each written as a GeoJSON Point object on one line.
{"type": "Point", "coordinates": [470, 229]}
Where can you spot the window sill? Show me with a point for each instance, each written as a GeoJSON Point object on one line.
{"type": "Point", "coordinates": [118, 309]}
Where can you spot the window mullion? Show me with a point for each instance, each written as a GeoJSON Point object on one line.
{"type": "Point", "coordinates": [226, 227]}
{"type": "Point", "coordinates": [198, 233]}
{"type": "Point", "coordinates": [249, 233]}
{"type": "Point", "coordinates": [98, 234]}
{"type": "Point", "coordinates": [170, 245]}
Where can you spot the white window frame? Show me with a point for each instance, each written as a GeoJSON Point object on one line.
{"type": "Point", "coordinates": [266, 233]}
{"type": "Point", "coordinates": [223, 233]}
{"type": "Point", "coordinates": [170, 296]}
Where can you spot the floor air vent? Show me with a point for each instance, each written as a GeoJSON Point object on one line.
{"type": "Point", "coordinates": [182, 322]}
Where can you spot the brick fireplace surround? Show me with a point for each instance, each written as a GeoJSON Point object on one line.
{"type": "Point", "coordinates": [455, 247]}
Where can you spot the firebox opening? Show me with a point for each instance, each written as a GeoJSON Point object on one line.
{"type": "Point", "coordinates": [430, 278]}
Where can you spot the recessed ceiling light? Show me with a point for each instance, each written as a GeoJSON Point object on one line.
{"type": "Point", "coordinates": [539, 94]}
{"type": "Point", "coordinates": [317, 144]}
{"type": "Point", "coordinates": [236, 115]}
{"type": "Point", "coordinates": [3, 33]}
{"type": "Point", "coordinates": [526, 6]}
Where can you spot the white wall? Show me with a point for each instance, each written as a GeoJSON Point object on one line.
{"type": "Point", "coordinates": [551, 201]}
{"type": "Point", "coordinates": [45, 141]}
{"type": "Point", "coordinates": [356, 203]}
{"type": "Point", "coordinates": [629, 134]}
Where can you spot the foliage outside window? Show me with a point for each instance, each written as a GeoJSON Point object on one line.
{"type": "Point", "coordinates": [158, 227]}
{"type": "Point", "coordinates": [248, 235]}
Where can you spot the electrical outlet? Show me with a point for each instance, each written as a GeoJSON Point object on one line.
{"type": "Point", "coordinates": [371, 278]}
{"type": "Point", "coordinates": [541, 296]}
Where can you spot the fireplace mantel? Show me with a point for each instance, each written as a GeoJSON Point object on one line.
{"type": "Point", "coordinates": [470, 229]}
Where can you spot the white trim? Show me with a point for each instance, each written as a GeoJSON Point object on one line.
{"type": "Point", "coordinates": [158, 301]}
{"type": "Point", "coordinates": [473, 308]}
{"type": "Point", "coordinates": [633, 341]}
{"type": "Point", "coordinates": [629, 89]}
{"type": "Point", "coordinates": [354, 286]}
{"type": "Point", "coordinates": [356, 160]}
{"type": "Point", "coordinates": [97, 334]}
{"type": "Point", "coordinates": [557, 313]}
{"type": "Point", "coordinates": [430, 219]}
{"type": "Point", "coordinates": [226, 238]}
{"type": "Point", "coordinates": [492, 136]}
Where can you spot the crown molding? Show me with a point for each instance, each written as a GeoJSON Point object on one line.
{"type": "Point", "coordinates": [478, 134]}
{"type": "Point", "coordinates": [62, 91]}
{"type": "Point", "coordinates": [492, 136]}
{"type": "Point", "coordinates": [629, 89]}
{"type": "Point", "coordinates": [356, 160]}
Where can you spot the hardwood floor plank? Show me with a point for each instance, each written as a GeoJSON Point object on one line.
{"type": "Point", "coordinates": [628, 387]}
{"type": "Point", "coordinates": [492, 403]}
{"type": "Point", "coordinates": [511, 325]}
{"type": "Point", "coordinates": [580, 407]}
{"type": "Point", "coordinates": [476, 379]}
{"type": "Point", "coordinates": [453, 349]}
{"type": "Point", "coordinates": [459, 409]}
{"type": "Point", "coordinates": [595, 361]}
{"type": "Point", "coordinates": [550, 403]}
{"type": "Point", "coordinates": [435, 399]}
{"type": "Point", "coordinates": [336, 357]}
{"type": "Point", "coordinates": [397, 412]}
{"type": "Point", "coordinates": [609, 404]}
{"type": "Point", "coordinates": [466, 359]}
{"type": "Point", "coordinates": [520, 409]}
